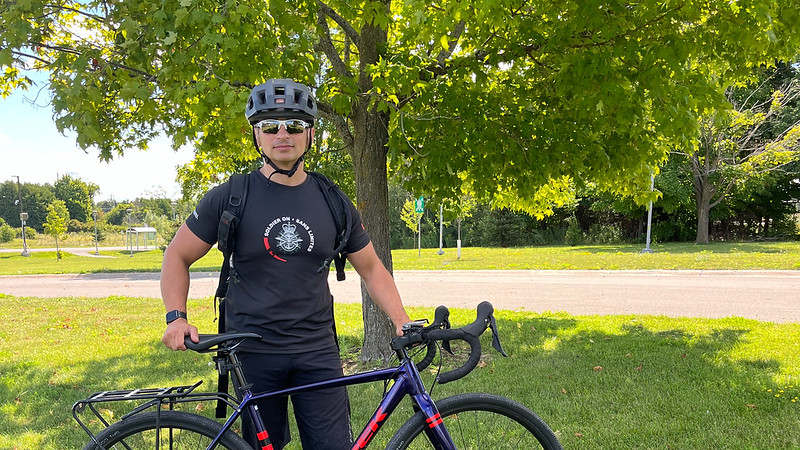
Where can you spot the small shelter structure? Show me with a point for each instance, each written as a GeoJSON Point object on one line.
{"type": "Point", "coordinates": [141, 237]}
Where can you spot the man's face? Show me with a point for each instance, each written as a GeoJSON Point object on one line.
{"type": "Point", "coordinates": [283, 140]}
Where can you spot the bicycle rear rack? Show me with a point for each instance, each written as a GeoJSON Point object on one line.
{"type": "Point", "coordinates": [156, 398]}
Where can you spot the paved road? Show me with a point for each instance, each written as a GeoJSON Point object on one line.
{"type": "Point", "coordinates": [762, 295]}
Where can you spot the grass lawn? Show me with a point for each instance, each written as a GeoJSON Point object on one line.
{"type": "Point", "coordinates": [599, 381]}
{"type": "Point", "coordinates": [732, 256]}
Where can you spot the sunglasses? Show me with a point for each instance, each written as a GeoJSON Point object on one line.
{"type": "Point", "coordinates": [292, 126]}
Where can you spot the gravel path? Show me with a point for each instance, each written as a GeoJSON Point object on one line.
{"type": "Point", "coordinates": [762, 295]}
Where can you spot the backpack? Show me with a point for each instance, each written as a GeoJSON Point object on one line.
{"type": "Point", "coordinates": [338, 203]}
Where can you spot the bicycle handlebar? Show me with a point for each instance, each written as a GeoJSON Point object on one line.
{"type": "Point", "coordinates": [440, 330]}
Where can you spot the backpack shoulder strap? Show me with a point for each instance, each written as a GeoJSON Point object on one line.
{"type": "Point", "coordinates": [338, 204]}
{"type": "Point", "coordinates": [237, 195]}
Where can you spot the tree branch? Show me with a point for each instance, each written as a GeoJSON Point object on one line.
{"type": "Point", "coordinates": [454, 37]}
{"type": "Point", "coordinates": [338, 121]}
{"type": "Point", "coordinates": [325, 45]}
{"type": "Point", "coordinates": [345, 26]}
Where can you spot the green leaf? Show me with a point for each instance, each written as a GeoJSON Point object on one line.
{"type": "Point", "coordinates": [444, 41]}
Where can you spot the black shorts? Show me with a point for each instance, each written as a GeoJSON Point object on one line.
{"type": "Point", "coordinates": [323, 417]}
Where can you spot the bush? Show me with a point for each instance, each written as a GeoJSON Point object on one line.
{"type": "Point", "coordinates": [605, 234]}
{"type": "Point", "coordinates": [76, 226]}
{"type": "Point", "coordinates": [574, 235]}
{"type": "Point", "coordinates": [7, 232]}
{"type": "Point", "coordinates": [30, 233]}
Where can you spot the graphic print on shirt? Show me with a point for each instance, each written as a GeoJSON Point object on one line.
{"type": "Point", "coordinates": [286, 236]}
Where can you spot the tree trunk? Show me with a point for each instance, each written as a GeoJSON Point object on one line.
{"type": "Point", "coordinates": [371, 140]}
{"type": "Point", "coordinates": [370, 146]}
{"type": "Point", "coordinates": [703, 199]}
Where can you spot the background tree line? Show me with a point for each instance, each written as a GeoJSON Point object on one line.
{"type": "Point", "coordinates": [71, 200]}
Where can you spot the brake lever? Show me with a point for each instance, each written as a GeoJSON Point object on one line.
{"type": "Point", "coordinates": [496, 336]}
{"type": "Point", "coordinates": [446, 326]}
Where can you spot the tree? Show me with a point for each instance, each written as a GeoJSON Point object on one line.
{"type": "Point", "coordinates": [409, 215]}
{"type": "Point", "coordinates": [497, 96]}
{"type": "Point", "coordinates": [77, 195]}
{"type": "Point", "coordinates": [56, 223]}
{"type": "Point", "coordinates": [35, 199]}
{"type": "Point", "coordinates": [746, 141]}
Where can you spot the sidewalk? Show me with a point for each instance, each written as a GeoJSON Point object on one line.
{"type": "Point", "coordinates": [82, 251]}
{"type": "Point", "coordinates": [761, 295]}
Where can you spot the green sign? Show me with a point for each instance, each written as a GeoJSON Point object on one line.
{"type": "Point", "coordinates": [419, 205]}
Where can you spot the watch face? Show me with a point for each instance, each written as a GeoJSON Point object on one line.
{"type": "Point", "coordinates": [175, 315]}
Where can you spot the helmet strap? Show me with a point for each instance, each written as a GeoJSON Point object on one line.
{"type": "Point", "coordinates": [277, 169]}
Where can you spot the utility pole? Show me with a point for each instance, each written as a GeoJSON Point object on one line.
{"type": "Point", "coordinates": [647, 248]}
{"type": "Point", "coordinates": [23, 217]}
{"type": "Point", "coordinates": [441, 252]}
{"type": "Point", "coordinates": [130, 231]}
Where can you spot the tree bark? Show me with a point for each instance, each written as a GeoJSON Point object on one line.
{"type": "Point", "coordinates": [703, 191]}
{"type": "Point", "coordinates": [369, 160]}
{"type": "Point", "coordinates": [370, 147]}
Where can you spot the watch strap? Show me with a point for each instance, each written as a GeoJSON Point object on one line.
{"type": "Point", "coordinates": [174, 315]}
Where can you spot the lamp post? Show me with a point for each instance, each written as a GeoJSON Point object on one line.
{"type": "Point", "coordinates": [96, 250]}
{"type": "Point", "coordinates": [23, 217]}
{"type": "Point", "coordinates": [130, 243]}
{"type": "Point", "coordinates": [441, 252]}
{"type": "Point", "coordinates": [173, 204]}
{"type": "Point", "coordinates": [647, 248]}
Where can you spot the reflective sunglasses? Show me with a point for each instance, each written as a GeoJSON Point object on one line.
{"type": "Point", "coordinates": [293, 126]}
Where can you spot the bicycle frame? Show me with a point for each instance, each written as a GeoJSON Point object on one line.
{"type": "Point", "coordinates": [407, 381]}
{"type": "Point", "coordinates": [405, 376]}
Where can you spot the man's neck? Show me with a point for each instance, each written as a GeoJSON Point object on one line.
{"type": "Point", "coordinates": [295, 180]}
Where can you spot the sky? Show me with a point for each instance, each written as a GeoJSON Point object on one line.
{"type": "Point", "coordinates": [32, 148]}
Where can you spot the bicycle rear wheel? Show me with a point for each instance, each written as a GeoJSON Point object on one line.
{"type": "Point", "coordinates": [178, 430]}
{"type": "Point", "coordinates": [480, 421]}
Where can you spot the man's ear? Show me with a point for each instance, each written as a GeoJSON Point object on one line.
{"type": "Point", "coordinates": [257, 138]}
{"type": "Point", "coordinates": [310, 139]}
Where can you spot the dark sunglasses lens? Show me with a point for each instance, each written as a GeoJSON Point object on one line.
{"type": "Point", "coordinates": [270, 127]}
{"type": "Point", "coordinates": [295, 126]}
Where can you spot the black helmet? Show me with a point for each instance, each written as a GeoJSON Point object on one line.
{"type": "Point", "coordinates": [283, 98]}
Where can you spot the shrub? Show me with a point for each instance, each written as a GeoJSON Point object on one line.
{"type": "Point", "coordinates": [7, 232]}
{"type": "Point", "coordinates": [76, 226]}
{"type": "Point", "coordinates": [605, 234]}
{"type": "Point", "coordinates": [574, 235]}
{"type": "Point", "coordinates": [30, 233]}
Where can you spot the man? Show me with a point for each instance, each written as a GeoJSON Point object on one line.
{"type": "Point", "coordinates": [285, 232]}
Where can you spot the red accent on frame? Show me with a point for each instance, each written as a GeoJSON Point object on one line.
{"type": "Point", "coordinates": [434, 421]}
{"type": "Point", "coordinates": [369, 432]}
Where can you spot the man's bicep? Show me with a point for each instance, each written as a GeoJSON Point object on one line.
{"type": "Point", "coordinates": [187, 247]}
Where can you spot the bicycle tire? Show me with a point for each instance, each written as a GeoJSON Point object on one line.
{"type": "Point", "coordinates": [480, 421]}
{"type": "Point", "coordinates": [189, 431]}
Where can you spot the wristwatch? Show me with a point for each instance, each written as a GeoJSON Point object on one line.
{"type": "Point", "coordinates": [174, 315]}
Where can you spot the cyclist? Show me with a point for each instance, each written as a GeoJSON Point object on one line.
{"type": "Point", "coordinates": [285, 231]}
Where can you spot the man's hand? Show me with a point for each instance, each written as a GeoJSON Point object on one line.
{"type": "Point", "coordinates": [176, 333]}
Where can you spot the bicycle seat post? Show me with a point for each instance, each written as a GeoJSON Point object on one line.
{"type": "Point", "coordinates": [234, 366]}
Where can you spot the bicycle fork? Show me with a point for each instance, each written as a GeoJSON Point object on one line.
{"type": "Point", "coordinates": [408, 384]}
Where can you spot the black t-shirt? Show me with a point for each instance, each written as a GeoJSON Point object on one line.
{"type": "Point", "coordinates": [283, 237]}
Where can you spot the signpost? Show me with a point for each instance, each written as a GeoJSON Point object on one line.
{"type": "Point", "coordinates": [419, 208]}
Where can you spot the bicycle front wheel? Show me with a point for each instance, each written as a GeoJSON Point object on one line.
{"type": "Point", "coordinates": [480, 421]}
{"type": "Point", "coordinates": [176, 430]}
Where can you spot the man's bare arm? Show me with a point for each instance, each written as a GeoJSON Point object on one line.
{"type": "Point", "coordinates": [182, 252]}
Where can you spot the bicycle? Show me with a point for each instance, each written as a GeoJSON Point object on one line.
{"type": "Point", "coordinates": [464, 421]}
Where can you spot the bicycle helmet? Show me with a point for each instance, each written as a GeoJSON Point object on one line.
{"type": "Point", "coordinates": [281, 99]}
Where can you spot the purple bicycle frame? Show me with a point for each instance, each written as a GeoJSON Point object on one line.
{"type": "Point", "coordinates": [407, 382]}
